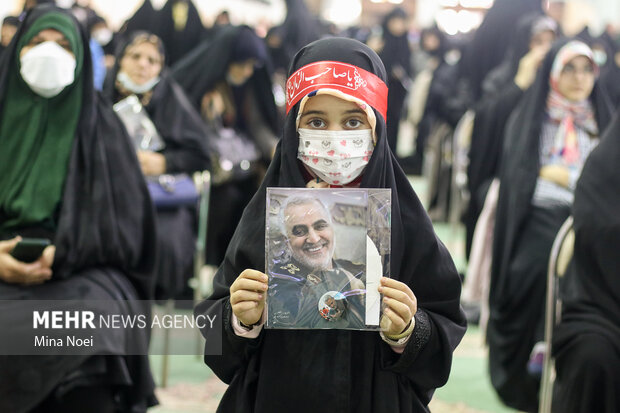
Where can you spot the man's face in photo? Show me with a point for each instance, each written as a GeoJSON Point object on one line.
{"type": "Point", "coordinates": [310, 234]}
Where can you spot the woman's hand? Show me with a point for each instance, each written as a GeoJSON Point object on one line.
{"type": "Point", "coordinates": [152, 163]}
{"type": "Point", "coordinates": [17, 272]}
{"type": "Point", "coordinates": [556, 173]}
{"type": "Point", "coordinates": [212, 105]}
{"type": "Point", "coordinates": [528, 66]}
{"type": "Point", "coordinates": [247, 296]}
{"type": "Point", "coordinates": [400, 306]}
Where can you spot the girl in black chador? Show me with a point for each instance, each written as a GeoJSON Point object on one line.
{"type": "Point", "coordinates": [547, 140]}
{"type": "Point", "coordinates": [337, 91]}
{"type": "Point", "coordinates": [69, 173]}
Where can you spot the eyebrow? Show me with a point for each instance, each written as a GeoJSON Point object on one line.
{"type": "Point", "coordinates": [38, 37]}
{"type": "Point", "coordinates": [312, 112]}
{"type": "Point", "coordinates": [356, 111]}
{"type": "Point", "coordinates": [346, 112]}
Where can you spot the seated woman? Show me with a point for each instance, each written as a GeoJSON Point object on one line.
{"type": "Point", "coordinates": [586, 343]}
{"type": "Point", "coordinates": [227, 79]}
{"type": "Point", "coordinates": [395, 370]}
{"type": "Point", "coordinates": [140, 71]}
{"type": "Point", "coordinates": [548, 138]}
{"type": "Point", "coordinates": [68, 173]}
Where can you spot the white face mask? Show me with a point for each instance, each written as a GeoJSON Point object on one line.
{"type": "Point", "coordinates": [47, 69]}
{"type": "Point", "coordinates": [133, 87]}
{"type": "Point", "coordinates": [600, 57]}
{"type": "Point", "coordinates": [102, 36]}
{"type": "Point", "coordinates": [337, 157]}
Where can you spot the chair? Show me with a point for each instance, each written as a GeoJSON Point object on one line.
{"type": "Point", "coordinates": [559, 259]}
{"type": "Point", "coordinates": [202, 181]}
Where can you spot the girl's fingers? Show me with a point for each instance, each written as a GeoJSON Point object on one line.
{"type": "Point", "coordinates": [250, 285]}
{"type": "Point", "coordinates": [397, 285]}
{"type": "Point", "coordinates": [398, 324]}
{"type": "Point", "coordinates": [243, 295]}
{"type": "Point", "coordinates": [402, 310]}
{"type": "Point", "coordinates": [244, 306]}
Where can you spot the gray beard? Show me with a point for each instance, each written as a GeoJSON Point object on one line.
{"type": "Point", "coordinates": [323, 264]}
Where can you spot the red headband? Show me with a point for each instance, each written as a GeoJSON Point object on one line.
{"type": "Point", "coordinates": [344, 77]}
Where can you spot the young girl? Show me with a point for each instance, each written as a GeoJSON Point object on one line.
{"type": "Point", "coordinates": [336, 88]}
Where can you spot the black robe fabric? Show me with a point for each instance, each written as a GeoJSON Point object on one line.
{"type": "Point", "coordinates": [178, 41]}
{"type": "Point", "coordinates": [204, 67]}
{"type": "Point", "coordinates": [185, 136]}
{"type": "Point", "coordinates": [610, 75]}
{"type": "Point", "coordinates": [145, 18]}
{"type": "Point", "coordinates": [518, 47]}
{"type": "Point", "coordinates": [396, 57]}
{"type": "Point", "coordinates": [341, 370]}
{"type": "Point", "coordinates": [299, 28]}
{"type": "Point", "coordinates": [516, 297]}
{"type": "Point", "coordinates": [437, 106]}
{"type": "Point", "coordinates": [487, 142]}
{"type": "Point", "coordinates": [199, 73]}
{"type": "Point", "coordinates": [491, 40]}
{"type": "Point", "coordinates": [105, 250]}
{"type": "Point", "coordinates": [586, 343]}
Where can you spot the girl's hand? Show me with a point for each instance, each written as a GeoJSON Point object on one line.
{"type": "Point", "coordinates": [400, 306]}
{"type": "Point", "coordinates": [247, 296]}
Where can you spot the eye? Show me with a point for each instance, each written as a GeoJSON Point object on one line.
{"type": "Point", "coordinates": [569, 68]}
{"type": "Point", "coordinates": [35, 41]}
{"type": "Point", "coordinates": [299, 230]}
{"type": "Point", "coordinates": [316, 123]}
{"type": "Point", "coordinates": [320, 226]}
{"type": "Point", "coordinates": [65, 45]}
{"type": "Point", "coordinates": [353, 123]}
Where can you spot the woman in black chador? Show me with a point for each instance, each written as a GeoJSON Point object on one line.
{"type": "Point", "coordinates": [227, 79]}
{"type": "Point", "coordinates": [396, 370]}
{"type": "Point", "coordinates": [180, 28]}
{"type": "Point", "coordinates": [140, 70]}
{"type": "Point", "coordinates": [503, 89]}
{"type": "Point", "coordinates": [143, 19]}
{"type": "Point", "coordinates": [491, 40]}
{"type": "Point", "coordinates": [548, 138]}
{"type": "Point", "coordinates": [396, 57]}
{"type": "Point", "coordinates": [586, 343]}
{"type": "Point", "coordinates": [611, 73]}
{"type": "Point", "coordinates": [69, 173]}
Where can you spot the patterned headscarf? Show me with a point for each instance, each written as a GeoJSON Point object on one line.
{"type": "Point", "coordinates": [565, 112]}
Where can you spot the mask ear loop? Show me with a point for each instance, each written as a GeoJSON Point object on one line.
{"type": "Point", "coordinates": [370, 114]}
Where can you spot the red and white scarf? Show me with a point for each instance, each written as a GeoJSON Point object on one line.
{"type": "Point", "coordinates": [569, 114]}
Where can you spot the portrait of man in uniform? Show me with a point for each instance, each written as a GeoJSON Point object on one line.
{"type": "Point", "coordinates": [309, 287]}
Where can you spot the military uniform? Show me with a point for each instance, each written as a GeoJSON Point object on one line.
{"type": "Point", "coordinates": [298, 296]}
